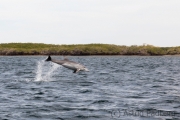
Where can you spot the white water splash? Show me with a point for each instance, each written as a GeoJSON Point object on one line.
{"type": "Point", "coordinates": [45, 71]}
{"type": "Point", "coordinates": [49, 74]}
{"type": "Point", "coordinates": [39, 71]}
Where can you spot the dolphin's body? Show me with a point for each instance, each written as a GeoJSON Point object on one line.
{"type": "Point", "coordinates": [69, 64]}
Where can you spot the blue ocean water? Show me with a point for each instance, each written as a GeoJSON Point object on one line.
{"type": "Point", "coordinates": [115, 88]}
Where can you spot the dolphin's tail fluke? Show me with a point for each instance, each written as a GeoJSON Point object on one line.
{"type": "Point", "coordinates": [49, 58]}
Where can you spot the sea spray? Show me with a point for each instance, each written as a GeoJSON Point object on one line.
{"type": "Point", "coordinates": [39, 70]}
{"type": "Point", "coordinates": [45, 70]}
{"type": "Point", "coordinates": [50, 71]}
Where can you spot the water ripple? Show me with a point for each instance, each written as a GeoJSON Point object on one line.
{"type": "Point", "coordinates": [33, 89]}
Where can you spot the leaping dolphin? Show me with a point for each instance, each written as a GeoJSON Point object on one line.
{"type": "Point", "coordinates": [68, 64]}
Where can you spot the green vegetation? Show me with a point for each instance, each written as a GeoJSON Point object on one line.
{"type": "Point", "coordinates": [86, 49]}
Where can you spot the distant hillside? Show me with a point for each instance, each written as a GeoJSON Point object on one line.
{"type": "Point", "coordinates": [84, 49]}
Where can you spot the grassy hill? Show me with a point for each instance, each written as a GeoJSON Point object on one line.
{"type": "Point", "coordinates": [84, 49]}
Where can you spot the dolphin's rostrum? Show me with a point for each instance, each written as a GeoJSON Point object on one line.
{"type": "Point", "coordinates": [68, 64]}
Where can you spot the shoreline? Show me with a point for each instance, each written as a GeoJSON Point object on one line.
{"type": "Point", "coordinates": [93, 55]}
{"type": "Point", "coordinates": [29, 49]}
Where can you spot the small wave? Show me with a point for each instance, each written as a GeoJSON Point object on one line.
{"type": "Point", "coordinates": [101, 102]}
{"type": "Point", "coordinates": [86, 91]}
{"type": "Point", "coordinates": [156, 86]}
{"type": "Point", "coordinates": [39, 93]}
{"type": "Point", "coordinates": [137, 97]}
{"type": "Point", "coordinates": [103, 73]}
{"type": "Point", "coordinates": [81, 117]}
{"type": "Point", "coordinates": [37, 98]}
{"type": "Point", "coordinates": [86, 83]}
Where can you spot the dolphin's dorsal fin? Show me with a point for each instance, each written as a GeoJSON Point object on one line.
{"type": "Point", "coordinates": [49, 58]}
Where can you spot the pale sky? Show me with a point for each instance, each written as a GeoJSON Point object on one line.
{"type": "Point", "coordinates": [120, 22]}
